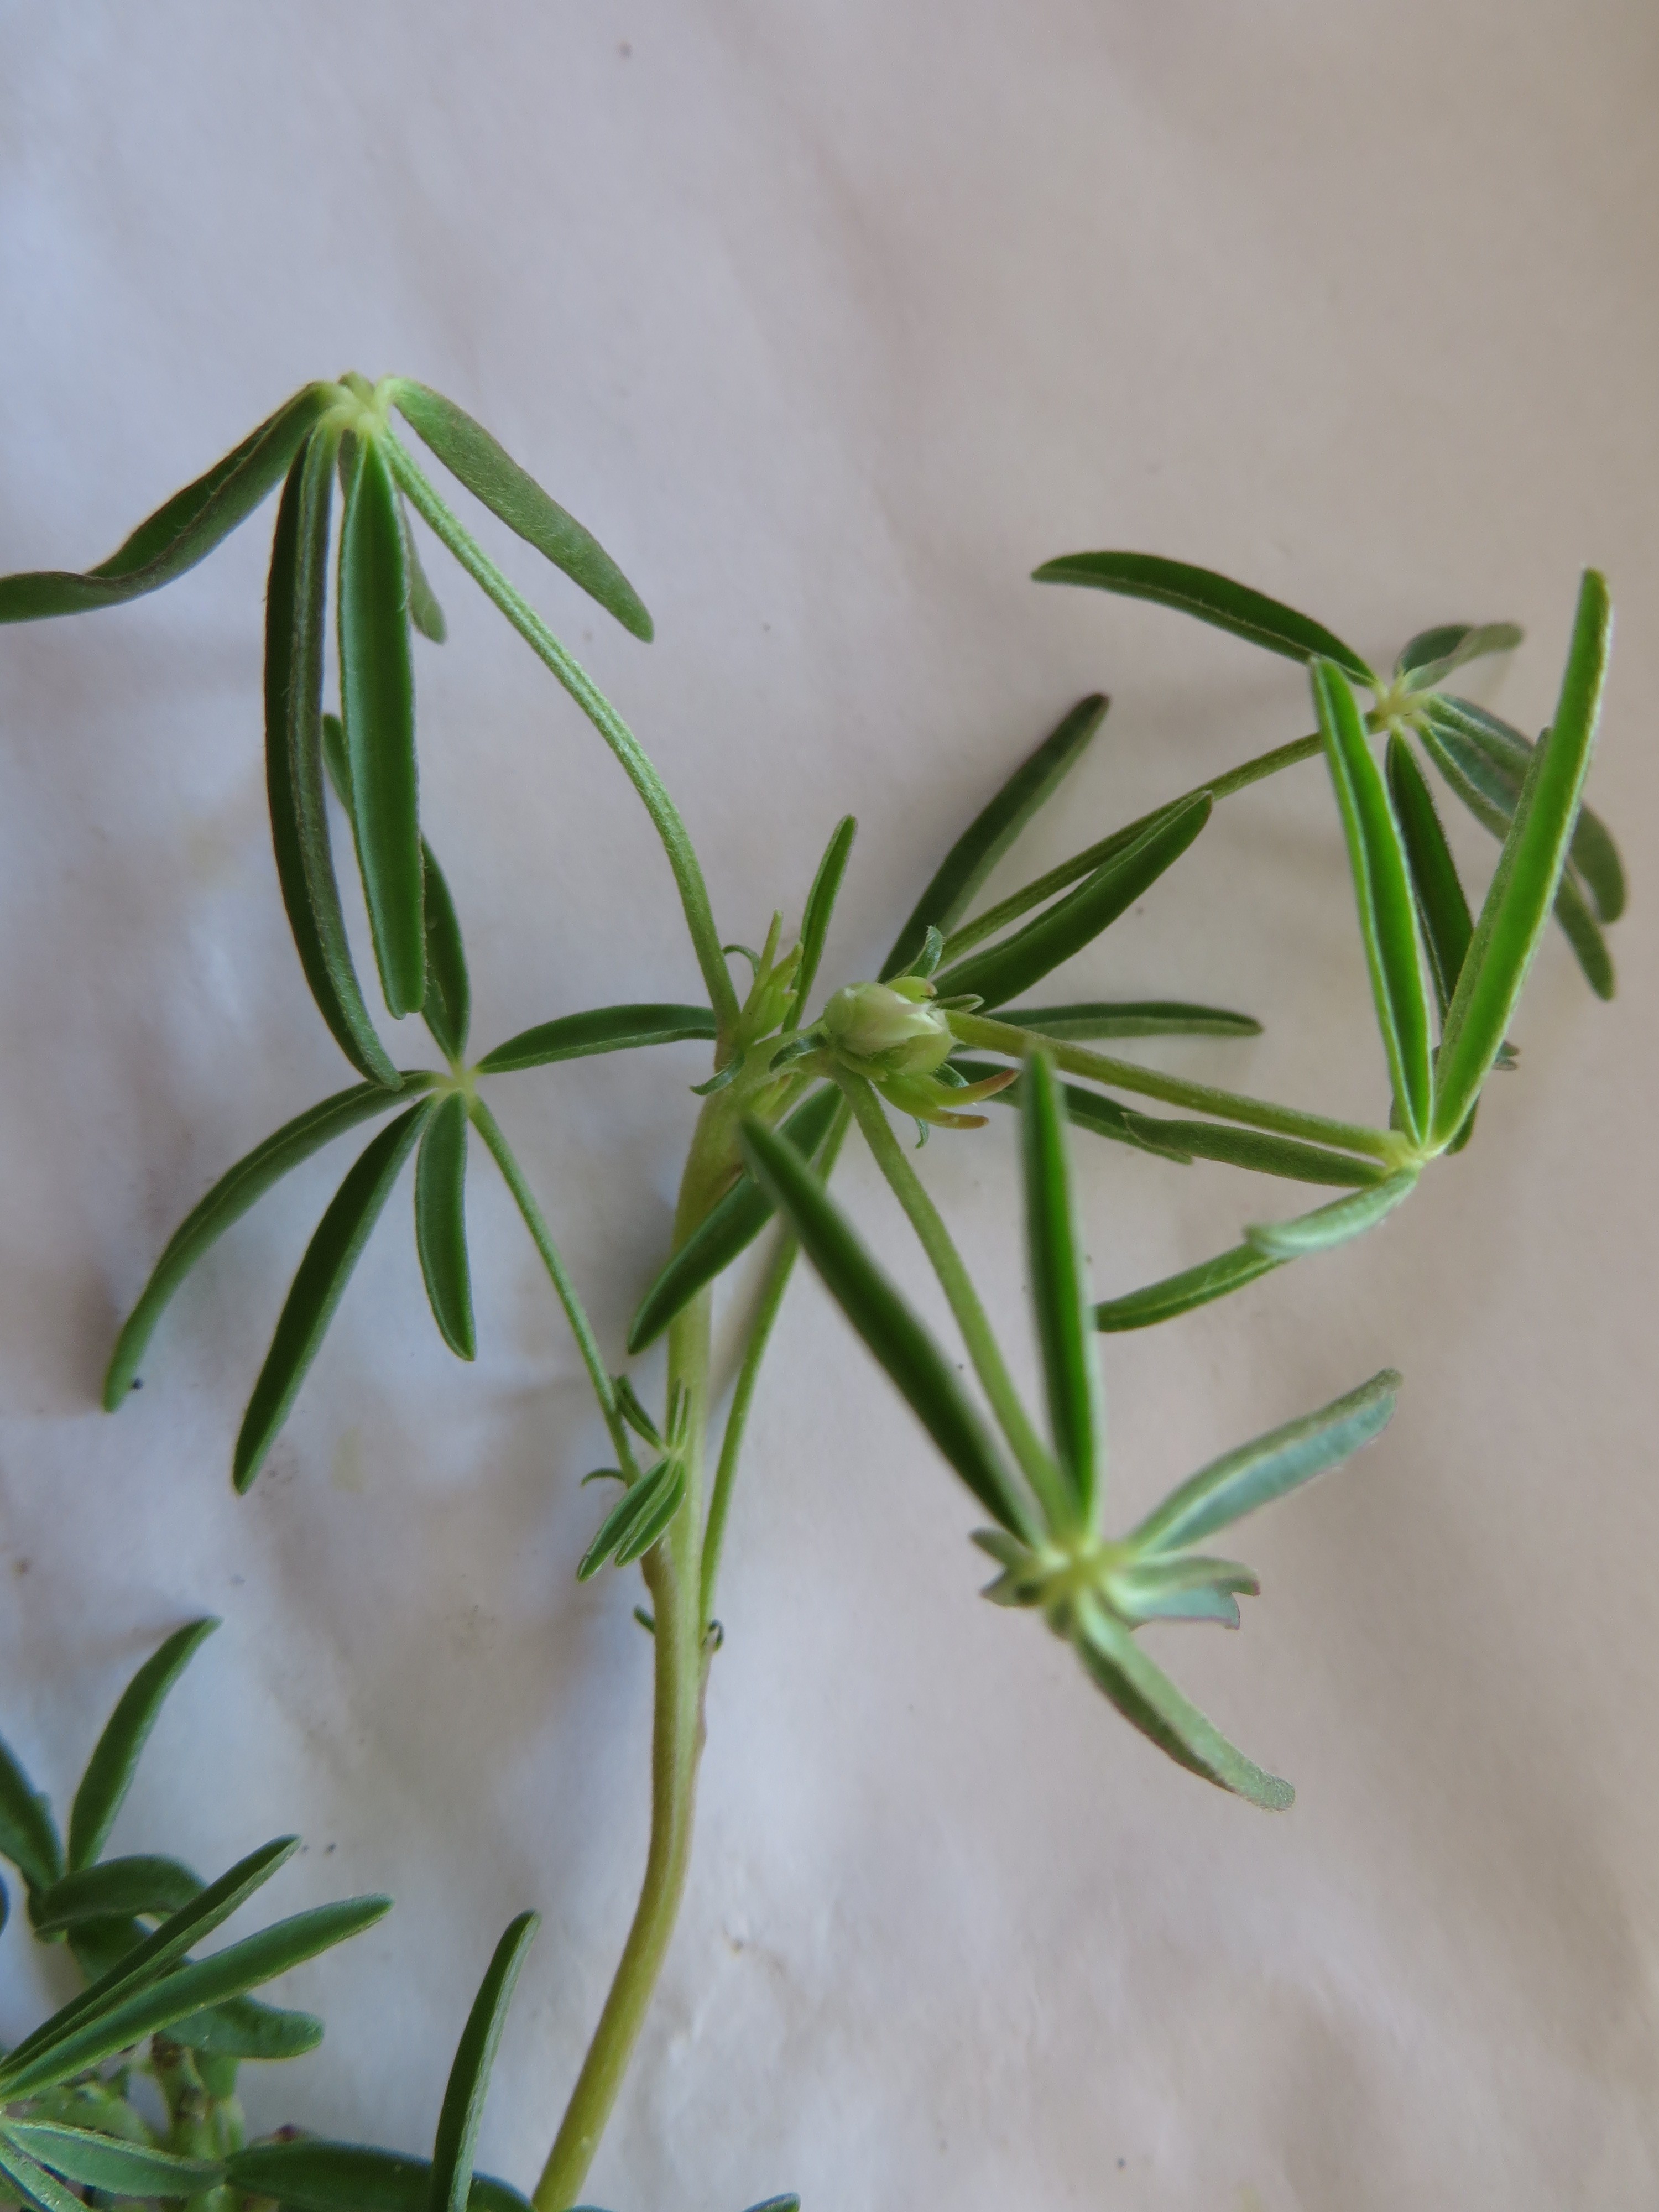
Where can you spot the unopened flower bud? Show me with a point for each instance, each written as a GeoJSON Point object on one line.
{"type": "Point", "coordinates": [893, 1025]}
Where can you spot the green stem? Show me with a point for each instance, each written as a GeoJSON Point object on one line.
{"type": "Point", "coordinates": [664, 815]}
{"type": "Point", "coordinates": [760, 1332]}
{"type": "Point", "coordinates": [1225, 1105]}
{"type": "Point", "coordinates": [574, 1312]}
{"type": "Point", "coordinates": [957, 1285]}
{"type": "Point", "coordinates": [1084, 863]}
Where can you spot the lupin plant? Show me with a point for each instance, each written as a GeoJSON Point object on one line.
{"type": "Point", "coordinates": [944, 1028]}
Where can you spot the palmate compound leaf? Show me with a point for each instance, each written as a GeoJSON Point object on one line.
{"type": "Point", "coordinates": [1268, 1466]}
{"type": "Point", "coordinates": [468, 452]}
{"type": "Point", "coordinates": [469, 2076]}
{"type": "Point", "coordinates": [1060, 1291]}
{"type": "Point", "coordinates": [115, 1757]}
{"type": "Point", "coordinates": [230, 1198]}
{"type": "Point", "coordinates": [730, 1226]}
{"type": "Point", "coordinates": [332, 1253]}
{"type": "Point", "coordinates": [1523, 892]}
{"type": "Point", "coordinates": [992, 830]}
{"type": "Point", "coordinates": [1383, 892]}
{"type": "Point", "coordinates": [901, 1342]}
{"type": "Point", "coordinates": [184, 529]}
{"type": "Point", "coordinates": [377, 695]}
{"type": "Point", "coordinates": [1212, 598]}
{"type": "Point", "coordinates": [1001, 971]}
{"type": "Point", "coordinates": [296, 630]}
{"type": "Point", "coordinates": [312, 2174]}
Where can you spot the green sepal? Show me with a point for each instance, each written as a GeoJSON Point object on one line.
{"type": "Point", "coordinates": [605, 1028]}
{"type": "Point", "coordinates": [1523, 891]}
{"type": "Point", "coordinates": [100, 2161]}
{"type": "Point", "coordinates": [902, 1344]}
{"type": "Point", "coordinates": [729, 1227]}
{"type": "Point", "coordinates": [1060, 1291]}
{"type": "Point", "coordinates": [115, 1757]}
{"type": "Point", "coordinates": [334, 1250]}
{"type": "Point", "coordinates": [1150, 1701]}
{"type": "Point", "coordinates": [1212, 598]}
{"type": "Point", "coordinates": [1268, 1466]}
{"type": "Point", "coordinates": [377, 696]}
{"type": "Point", "coordinates": [1002, 971]}
{"type": "Point", "coordinates": [494, 478]}
{"type": "Point", "coordinates": [1383, 892]}
{"type": "Point", "coordinates": [182, 531]}
{"type": "Point", "coordinates": [815, 923]}
{"type": "Point", "coordinates": [469, 2076]}
{"type": "Point", "coordinates": [440, 1223]}
{"type": "Point", "coordinates": [1334, 1224]}
{"type": "Point", "coordinates": [28, 1834]}
{"type": "Point", "coordinates": [1183, 1292]}
{"type": "Point", "coordinates": [228, 1200]}
{"type": "Point", "coordinates": [296, 601]}
{"type": "Point", "coordinates": [1141, 1018]}
{"type": "Point", "coordinates": [312, 2174]}
{"type": "Point", "coordinates": [992, 830]}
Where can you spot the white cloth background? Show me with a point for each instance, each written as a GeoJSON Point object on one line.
{"type": "Point", "coordinates": [833, 320]}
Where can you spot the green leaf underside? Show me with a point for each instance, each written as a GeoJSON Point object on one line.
{"type": "Point", "coordinates": [101, 2161]}
{"type": "Point", "coordinates": [115, 1757]}
{"type": "Point", "coordinates": [446, 1008]}
{"type": "Point", "coordinates": [182, 531]}
{"type": "Point", "coordinates": [309, 2175]}
{"type": "Point", "coordinates": [1332, 1224]}
{"type": "Point", "coordinates": [158, 1953]}
{"type": "Point", "coordinates": [1085, 1110]}
{"type": "Point", "coordinates": [1212, 598]}
{"type": "Point", "coordinates": [729, 1227]}
{"type": "Point", "coordinates": [494, 478]}
{"type": "Point", "coordinates": [469, 2077]}
{"type": "Point", "coordinates": [1383, 892]}
{"type": "Point", "coordinates": [1181, 1293]}
{"type": "Point", "coordinates": [296, 602]}
{"type": "Point", "coordinates": [228, 1200]}
{"type": "Point", "coordinates": [1143, 1017]}
{"type": "Point", "coordinates": [1433, 654]}
{"type": "Point", "coordinates": [440, 1223]}
{"type": "Point", "coordinates": [1476, 738]}
{"type": "Point", "coordinates": [1578, 922]}
{"type": "Point", "coordinates": [31, 2184]}
{"type": "Point", "coordinates": [1059, 1291]}
{"type": "Point", "coordinates": [605, 1028]}
{"type": "Point", "coordinates": [1268, 1466]}
{"type": "Point", "coordinates": [1442, 908]}
{"type": "Point", "coordinates": [333, 1253]}
{"type": "Point", "coordinates": [637, 1520]}
{"type": "Point", "coordinates": [900, 1342]}
{"type": "Point", "coordinates": [1523, 891]}
{"type": "Point", "coordinates": [191, 1989]}
{"type": "Point", "coordinates": [820, 906]}
{"type": "Point", "coordinates": [424, 611]}
{"type": "Point", "coordinates": [992, 830]}
{"type": "Point", "coordinates": [1003, 970]}
{"type": "Point", "coordinates": [28, 1834]}
{"type": "Point", "coordinates": [1147, 1699]}
{"type": "Point", "coordinates": [377, 691]}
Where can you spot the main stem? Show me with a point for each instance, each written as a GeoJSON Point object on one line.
{"type": "Point", "coordinates": [673, 1574]}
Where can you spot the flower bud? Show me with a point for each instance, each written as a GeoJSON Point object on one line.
{"type": "Point", "coordinates": [891, 1025]}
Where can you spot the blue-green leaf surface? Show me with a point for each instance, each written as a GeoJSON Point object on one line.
{"type": "Point", "coordinates": [469, 2076]}
{"type": "Point", "coordinates": [1183, 1292]}
{"type": "Point", "coordinates": [1334, 1224]}
{"type": "Point", "coordinates": [440, 1223]}
{"type": "Point", "coordinates": [115, 1757]}
{"type": "Point", "coordinates": [1146, 1697]}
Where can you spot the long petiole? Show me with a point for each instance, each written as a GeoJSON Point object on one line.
{"type": "Point", "coordinates": [664, 815]}
{"type": "Point", "coordinates": [574, 1312]}
{"type": "Point", "coordinates": [777, 1282]}
{"type": "Point", "coordinates": [984, 1349]}
{"type": "Point", "coordinates": [1223, 1105]}
{"type": "Point", "coordinates": [1084, 863]}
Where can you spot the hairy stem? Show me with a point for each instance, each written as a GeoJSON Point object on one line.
{"type": "Point", "coordinates": [1084, 863]}
{"type": "Point", "coordinates": [984, 1349]}
{"type": "Point", "coordinates": [664, 815]}
{"type": "Point", "coordinates": [1225, 1105]}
